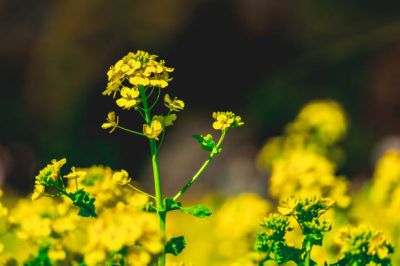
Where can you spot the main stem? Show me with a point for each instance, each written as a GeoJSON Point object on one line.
{"type": "Point", "coordinates": [161, 214]}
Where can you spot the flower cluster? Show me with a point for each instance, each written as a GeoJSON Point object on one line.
{"type": "Point", "coordinates": [307, 212]}
{"type": "Point", "coordinates": [133, 235]}
{"type": "Point", "coordinates": [226, 120]}
{"type": "Point", "coordinates": [50, 233]}
{"type": "Point", "coordinates": [386, 178]}
{"type": "Point", "coordinates": [302, 161]}
{"type": "Point", "coordinates": [48, 176]}
{"type": "Point", "coordinates": [121, 178]}
{"type": "Point", "coordinates": [318, 127]}
{"type": "Point", "coordinates": [362, 245]}
{"type": "Point", "coordinates": [241, 215]}
{"type": "Point", "coordinates": [323, 120]}
{"type": "Point", "coordinates": [307, 173]}
{"type": "Point", "coordinates": [138, 69]}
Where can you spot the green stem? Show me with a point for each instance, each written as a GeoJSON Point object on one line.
{"type": "Point", "coordinates": [131, 131]}
{"type": "Point", "coordinates": [266, 258]}
{"type": "Point", "coordinates": [156, 100]}
{"type": "Point", "coordinates": [141, 191]}
{"type": "Point", "coordinates": [157, 182]}
{"type": "Point", "coordinates": [308, 254]}
{"type": "Point", "coordinates": [202, 168]}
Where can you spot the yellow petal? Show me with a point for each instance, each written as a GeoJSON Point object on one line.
{"type": "Point", "coordinates": [121, 102]}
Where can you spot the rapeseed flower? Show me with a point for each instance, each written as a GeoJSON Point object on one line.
{"type": "Point", "coordinates": [121, 178]}
{"type": "Point", "coordinates": [225, 120]}
{"type": "Point", "coordinates": [112, 122]}
{"type": "Point", "coordinates": [386, 177]}
{"type": "Point", "coordinates": [50, 172]}
{"type": "Point", "coordinates": [153, 130]}
{"type": "Point", "coordinates": [129, 97]}
{"type": "Point", "coordinates": [139, 69]}
{"type": "Point", "coordinates": [362, 245]}
{"type": "Point", "coordinates": [173, 105]}
{"type": "Point", "coordinates": [325, 118]}
{"type": "Point", "coordinates": [74, 174]}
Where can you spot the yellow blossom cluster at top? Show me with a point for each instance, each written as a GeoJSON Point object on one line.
{"type": "Point", "coordinates": [137, 69]}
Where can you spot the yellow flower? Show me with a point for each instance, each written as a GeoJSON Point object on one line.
{"type": "Point", "coordinates": [38, 190]}
{"type": "Point", "coordinates": [74, 174]}
{"type": "Point", "coordinates": [112, 122]}
{"type": "Point", "coordinates": [57, 253]}
{"type": "Point", "coordinates": [153, 130]}
{"type": "Point", "coordinates": [137, 81]}
{"type": "Point", "coordinates": [129, 98]}
{"type": "Point", "coordinates": [226, 120]}
{"type": "Point", "coordinates": [173, 105]}
{"type": "Point", "coordinates": [51, 171]}
{"type": "Point", "coordinates": [324, 118]}
{"type": "Point", "coordinates": [121, 178]}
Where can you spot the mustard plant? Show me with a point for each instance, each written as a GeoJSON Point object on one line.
{"type": "Point", "coordinates": [137, 82]}
{"type": "Point", "coordinates": [359, 246]}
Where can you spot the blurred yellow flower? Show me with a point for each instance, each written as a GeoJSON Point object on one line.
{"type": "Point", "coordinates": [386, 177]}
{"type": "Point", "coordinates": [74, 174]}
{"type": "Point", "coordinates": [121, 177]}
{"type": "Point", "coordinates": [326, 118]}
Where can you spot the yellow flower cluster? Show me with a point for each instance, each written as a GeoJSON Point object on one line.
{"type": "Point", "coordinates": [364, 239]}
{"type": "Point", "coordinates": [386, 178]}
{"type": "Point", "coordinates": [119, 228]}
{"type": "Point", "coordinates": [48, 174]}
{"type": "Point", "coordinates": [306, 173]}
{"type": "Point", "coordinates": [121, 178]}
{"type": "Point", "coordinates": [121, 225]}
{"type": "Point", "coordinates": [323, 118]}
{"type": "Point", "coordinates": [236, 221]}
{"type": "Point", "coordinates": [298, 161]}
{"type": "Point", "coordinates": [226, 120]}
{"type": "Point", "coordinates": [136, 69]}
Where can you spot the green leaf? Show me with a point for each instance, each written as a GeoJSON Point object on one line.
{"type": "Point", "coordinates": [207, 142]}
{"type": "Point", "coordinates": [198, 211]}
{"type": "Point", "coordinates": [85, 202]}
{"type": "Point", "coordinates": [42, 258]}
{"type": "Point", "coordinates": [175, 245]}
{"type": "Point", "coordinates": [171, 204]}
{"type": "Point", "coordinates": [167, 120]}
